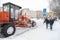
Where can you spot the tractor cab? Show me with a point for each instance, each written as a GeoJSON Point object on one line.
{"type": "Point", "coordinates": [13, 10]}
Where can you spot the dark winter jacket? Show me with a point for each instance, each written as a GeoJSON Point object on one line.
{"type": "Point", "coordinates": [46, 21]}
{"type": "Point", "coordinates": [51, 21]}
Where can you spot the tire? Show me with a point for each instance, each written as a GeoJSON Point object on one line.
{"type": "Point", "coordinates": [33, 23]}
{"type": "Point", "coordinates": [8, 30]}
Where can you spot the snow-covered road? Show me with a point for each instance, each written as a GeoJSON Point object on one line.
{"type": "Point", "coordinates": [37, 33]}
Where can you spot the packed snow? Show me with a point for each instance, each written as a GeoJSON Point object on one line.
{"type": "Point", "coordinates": [37, 33]}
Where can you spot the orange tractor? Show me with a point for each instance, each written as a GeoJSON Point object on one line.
{"type": "Point", "coordinates": [10, 17]}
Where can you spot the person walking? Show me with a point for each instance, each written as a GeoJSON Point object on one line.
{"type": "Point", "coordinates": [51, 21]}
{"type": "Point", "coordinates": [47, 22]}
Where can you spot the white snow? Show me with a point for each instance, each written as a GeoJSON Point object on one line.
{"type": "Point", "coordinates": [37, 33]}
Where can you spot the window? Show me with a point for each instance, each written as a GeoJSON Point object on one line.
{"type": "Point", "coordinates": [16, 14]}
{"type": "Point", "coordinates": [6, 8]}
{"type": "Point", "coordinates": [12, 13]}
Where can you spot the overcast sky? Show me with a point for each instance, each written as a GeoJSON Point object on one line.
{"type": "Point", "coordinates": [31, 4]}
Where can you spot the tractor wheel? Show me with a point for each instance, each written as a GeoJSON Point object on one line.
{"type": "Point", "coordinates": [8, 30]}
{"type": "Point", "coordinates": [33, 23]}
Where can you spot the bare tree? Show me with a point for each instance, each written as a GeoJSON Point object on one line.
{"type": "Point", "coordinates": [55, 6]}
